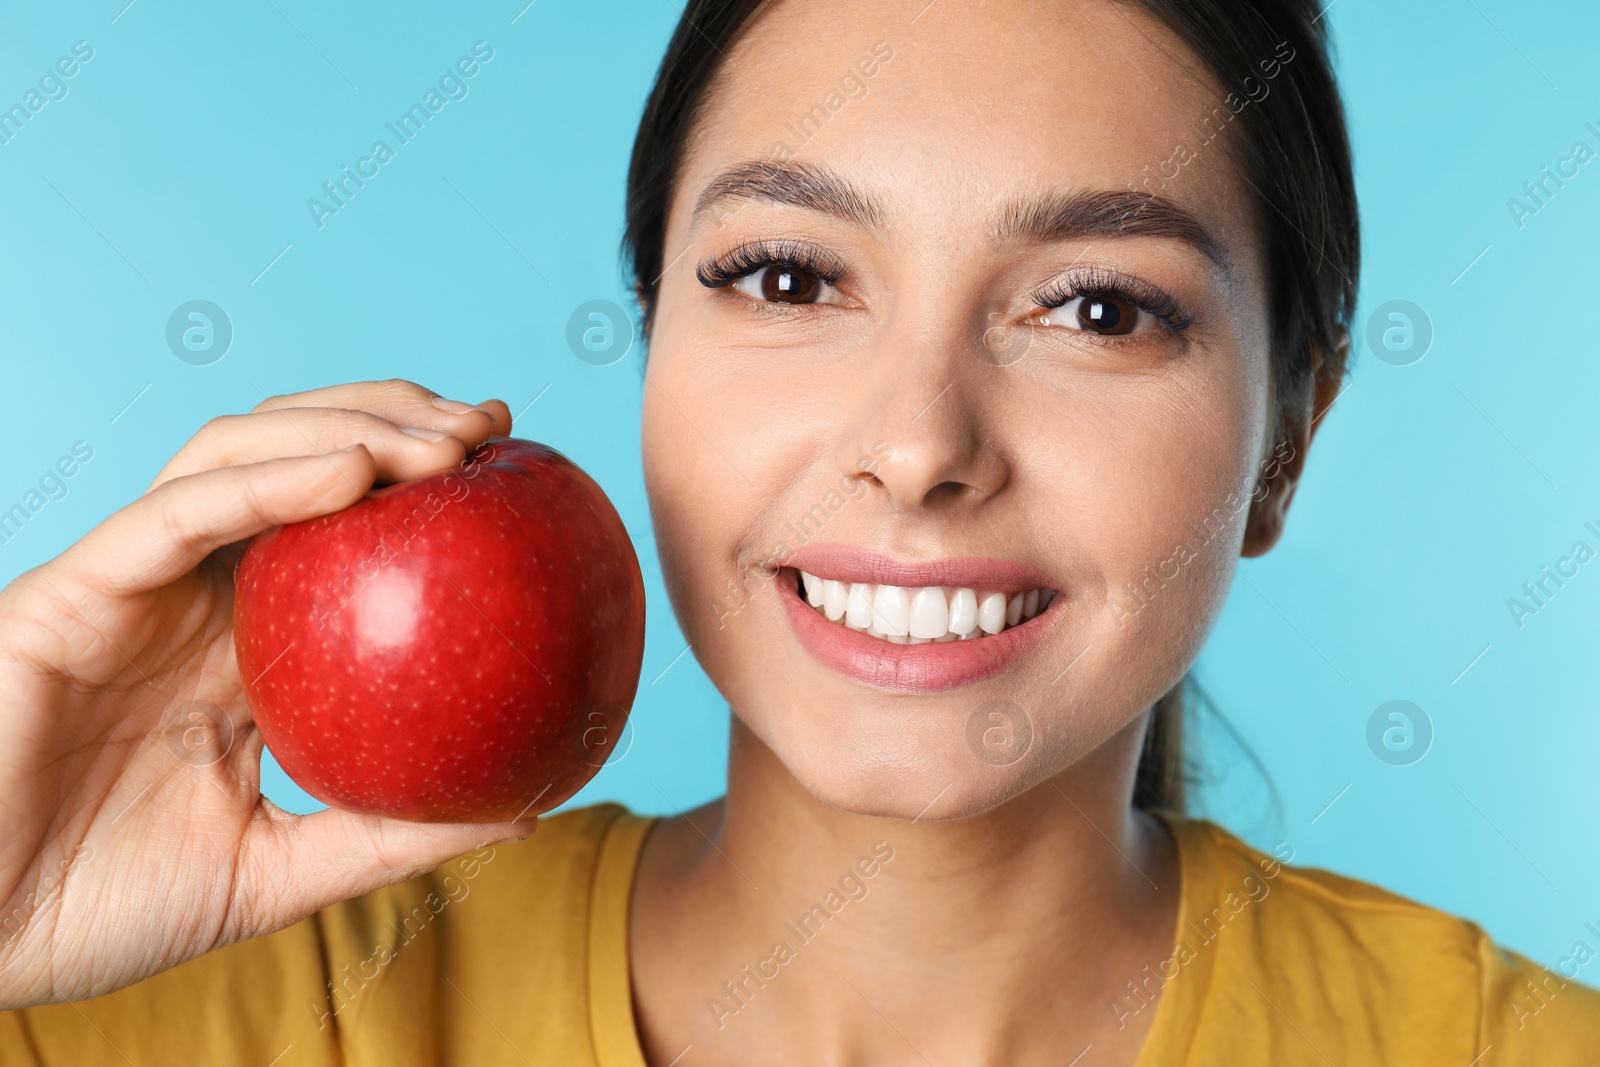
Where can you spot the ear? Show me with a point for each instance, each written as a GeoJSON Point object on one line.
{"type": "Point", "coordinates": [1280, 470]}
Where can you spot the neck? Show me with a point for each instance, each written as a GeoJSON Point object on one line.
{"type": "Point", "coordinates": [775, 917]}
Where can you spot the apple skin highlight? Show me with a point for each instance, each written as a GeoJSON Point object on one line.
{"type": "Point", "coordinates": [460, 648]}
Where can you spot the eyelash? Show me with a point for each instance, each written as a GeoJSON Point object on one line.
{"type": "Point", "coordinates": [751, 256]}
{"type": "Point", "coordinates": [1168, 312]}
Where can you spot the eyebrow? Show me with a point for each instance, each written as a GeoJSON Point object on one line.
{"type": "Point", "coordinates": [1039, 218]}
{"type": "Point", "coordinates": [1104, 213]}
{"type": "Point", "coordinates": [795, 184]}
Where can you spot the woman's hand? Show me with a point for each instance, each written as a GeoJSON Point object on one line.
{"type": "Point", "coordinates": [133, 834]}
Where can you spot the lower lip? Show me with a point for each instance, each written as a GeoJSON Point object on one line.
{"type": "Point", "coordinates": [935, 666]}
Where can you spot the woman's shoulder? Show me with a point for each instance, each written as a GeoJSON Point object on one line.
{"type": "Point", "coordinates": [540, 884]}
{"type": "Point", "coordinates": [562, 859]}
{"type": "Point", "coordinates": [403, 975]}
{"type": "Point", "coordinates": [1323, 950]}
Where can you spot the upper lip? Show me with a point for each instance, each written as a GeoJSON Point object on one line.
{"type": "Point", "coordinates": [851, 563]}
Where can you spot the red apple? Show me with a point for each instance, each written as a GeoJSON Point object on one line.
{"type": "Point", "coordinates": [460, 648]}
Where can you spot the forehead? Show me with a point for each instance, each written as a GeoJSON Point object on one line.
{"type": "Point", "coordinates": [950, 111]}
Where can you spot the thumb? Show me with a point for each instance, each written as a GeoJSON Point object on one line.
{"type": "Point", "coordinates": [293, 865]}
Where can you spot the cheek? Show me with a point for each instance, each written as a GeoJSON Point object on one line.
{"type": "Point", "coordinates": [703, 461]}
{"type": "Point", "coordinates": [1141, 490]}
{"type": "Point", "coordinates": [1170, 498]}
{"type": "Point", "coordinates": [683, 494]}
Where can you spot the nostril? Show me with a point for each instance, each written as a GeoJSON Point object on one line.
{"type": "Point", "coordinates": [869, 478]}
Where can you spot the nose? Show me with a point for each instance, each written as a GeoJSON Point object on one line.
{"type": "Point", "coordinates": [925, 438]}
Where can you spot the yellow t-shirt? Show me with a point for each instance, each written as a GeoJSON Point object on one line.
{"type": "Point", "coordinates": [518, 954]}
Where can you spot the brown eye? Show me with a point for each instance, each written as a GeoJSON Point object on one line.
{"type": "Point", "coordinates": [1106, 313]}
{"type": "Point", "coordinates": [780, 283]}
{"type": "Point", "coordinates": [789, 285]}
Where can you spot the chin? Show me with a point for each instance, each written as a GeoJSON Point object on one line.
{"type": "Point", "coordinates": [922, 763]}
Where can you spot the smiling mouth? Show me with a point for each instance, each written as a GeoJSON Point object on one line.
{"type": "Point", "coordinates": [918, 615]}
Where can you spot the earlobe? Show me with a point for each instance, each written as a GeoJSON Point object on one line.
{"type": "Point", "coordinates": [1279, 473]}
{"type": "Point", "coordinates": [1268, 513]}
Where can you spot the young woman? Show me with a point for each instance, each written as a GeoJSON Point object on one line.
{"type": "Point", "coordinates": [965, 321]}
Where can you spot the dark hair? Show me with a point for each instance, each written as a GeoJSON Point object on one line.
{"type": "Point", "coordinates": [1292, 148]}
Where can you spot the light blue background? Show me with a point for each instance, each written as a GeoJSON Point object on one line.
{"type": "Point", "coordinates": [179, 165]}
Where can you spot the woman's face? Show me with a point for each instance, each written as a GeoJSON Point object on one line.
{"type": "Point", "coordinates": [968, 351]}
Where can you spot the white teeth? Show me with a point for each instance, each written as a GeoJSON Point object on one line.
{"type": "Point", "coordinates": [891, 610]}
{"type": "Point", "coordinates": [963, 611]}
{"type": "Point", "coordinates": [992, 612]}
{"type": "Point", "coordinates": [834, 597]}
{"type": "Point", "coordinates": [923, 614]}
{"type": "Point", "coordinates": [858, 605]}
{"type": "Point", "coordinates": [930, 613]}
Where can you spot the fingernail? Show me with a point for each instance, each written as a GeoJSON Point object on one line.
{"type": "Point", "coordinates": [456, 407]}
{"type": "Point", "coordinates": [434, 436]}
{"type": "Point", "coordinates": [523, 836]}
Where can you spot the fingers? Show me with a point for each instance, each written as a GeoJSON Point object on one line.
{"type": "Point", "coordinates": [406, 404]}
{"type": "Point", "coordinates": [411, 431]}
{"type": "Point", "coordinates": [287, 465]}
{"type": "Point", "coordinates": [402, 451]}
{"type": "Point", "coordinates": [397, 400]}
{"type": "Point", "coordinates": [501, 413]}
{"type": "Point", "coordinates": [167, 532]}
{"type": "Point", "coordinates": [292, 866]}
